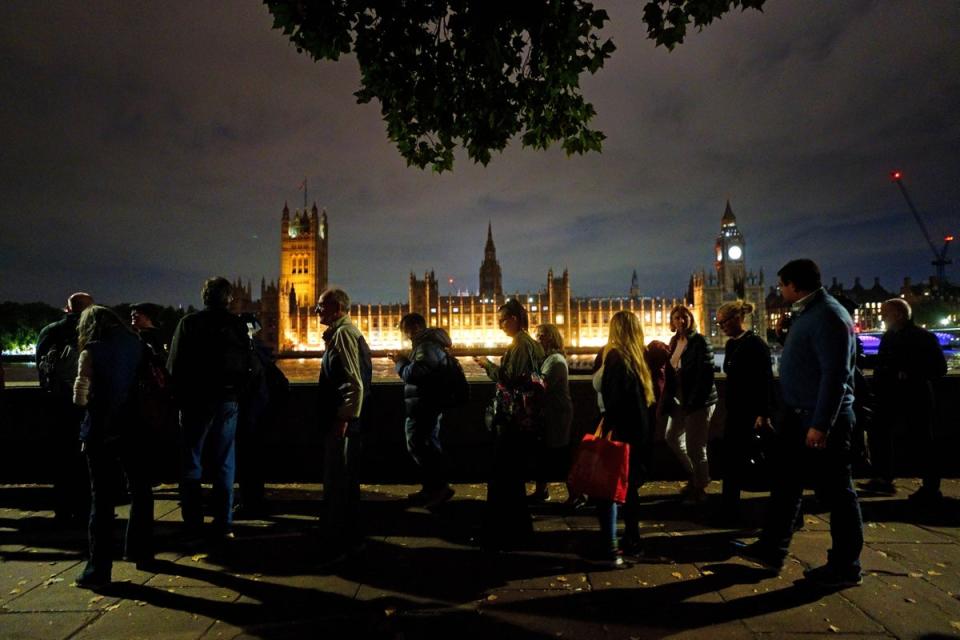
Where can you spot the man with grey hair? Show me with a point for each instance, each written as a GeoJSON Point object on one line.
{"type": "Point", "coordinates": [345, 378]}
{"type": "Point", "coordinates": [909, 361]}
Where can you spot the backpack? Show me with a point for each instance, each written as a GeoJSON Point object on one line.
{"type": "Point", "coordinates": [452, 387]}
{"type": "Point", "coordinates": [58, 369]}
{"type": "Point", "coordinates": [154, 392]}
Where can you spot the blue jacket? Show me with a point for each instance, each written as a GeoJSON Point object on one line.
{"type": "Point", "coordinates": [817, 365]}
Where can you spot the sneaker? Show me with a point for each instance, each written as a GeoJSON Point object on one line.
{"type": "Point", "coordinates": [878, 486]}
{"type": "Point", "coordinates": [830, 577]}
{"type": "Point", "coordinates": [695, 496]}
{"type": "Point", "coordinates": [436, 498]}
{"type": "Point", "coordinates": [93, 579]}
{"type": "Point", "coordinates": [760, 554]}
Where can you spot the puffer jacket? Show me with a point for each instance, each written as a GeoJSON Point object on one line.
{"type": "Point", "coordinates": [420, 372]}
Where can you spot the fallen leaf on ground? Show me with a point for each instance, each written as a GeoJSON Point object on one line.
{"type": "Point", "coordinates": [955, 624]}
{"type": "Point", "coordinates": [491, 598]}
{"type": "Point", "coordinates": [707, 572]}
{"type": "Point", "coordinates": [910, 600]}
{"type": "Point", "coordinates": [389, 612]}
{"type": "Point", "coordinates": [198, 557]}
{"type": "Point", "coordinates": [677, 575]}
{"type": "Point", "coordinates": [51, 581]}
{"type": "Point", "coordinates": [112, 607]}
{"type": "Point", "coordinates": [96, 598]}
{"type": "Point", "coordinates": [931, 572]}
{"type": "Point", "coordinates": [834, 628]}
{"type": "Point", "coordinates": [915, 574]}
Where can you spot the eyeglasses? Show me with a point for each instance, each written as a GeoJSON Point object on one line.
{"type": "Point", "coordinates": [723, 321]}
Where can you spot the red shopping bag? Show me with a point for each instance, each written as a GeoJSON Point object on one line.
{"type": "Point", "coordinates": [600, 467]}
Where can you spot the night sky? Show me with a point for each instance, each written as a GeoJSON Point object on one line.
{"type": "Point", "coordinates": [145, 146]}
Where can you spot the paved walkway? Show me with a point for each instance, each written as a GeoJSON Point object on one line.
{"type": "Point", "coordinates": [419, 577]}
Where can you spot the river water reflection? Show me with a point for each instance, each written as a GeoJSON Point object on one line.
{"type": "Point", "coordinates": [306, 369]}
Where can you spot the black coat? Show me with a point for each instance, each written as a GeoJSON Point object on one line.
{"type": "Point", "coordinates": [625, 406]}
{"type": "Point", "coordinates": [695, 377]}
{"type": "Point", "coordinates": [749, 391]}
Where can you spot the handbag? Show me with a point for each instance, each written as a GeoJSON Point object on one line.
{"type": "Point", "coordinates": [519, 404]}
{"type": "Point", "coordinates": [601, 467]}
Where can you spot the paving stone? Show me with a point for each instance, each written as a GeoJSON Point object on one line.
{"type": "Point", "coordinates": [907, 607]}
{"type": "Point", "coordinates": [939, 564]}
{"type": "Point", "coordinates": [900, 532]}
{"type": "Point", "coordinates": [801, 609]}
{"type": "Point", "coordinates": [43, 625]}
{"type": "Point", "coordinates": [20, 578]}
{"type": "Point", "coordinates": [132, 621]}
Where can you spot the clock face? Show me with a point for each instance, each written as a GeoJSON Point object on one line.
{"type": "Point", "coordinates": [293, 232]}
{"type": "Point", "coordinates": [734, 252]}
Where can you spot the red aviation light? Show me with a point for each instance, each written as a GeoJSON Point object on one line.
{"type": "Point", "coordinates": [896, 175]}
{"type": "Point", "coordinates": [948, 239]}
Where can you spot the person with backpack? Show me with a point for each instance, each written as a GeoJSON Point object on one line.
{"type": "Point", "coordinates": [113, 438]}
{"type": "Point", "coordinates": [57, 358]}
{"type": "Point", "coordinates": [209, 363]}
{"type": "Point", "coordinates": [424, 387]}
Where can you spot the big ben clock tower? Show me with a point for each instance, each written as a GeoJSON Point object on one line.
{"type": "Point", "coordinates": [729, 248]}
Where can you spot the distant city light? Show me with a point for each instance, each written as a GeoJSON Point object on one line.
{"type": "Point", "coordinates": [944, 322]}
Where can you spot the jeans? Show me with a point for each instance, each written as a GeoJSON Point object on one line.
{"type": "Point", "coordinates": [341, 486]}
{"type": "Point", "coordinates": [686, 435]}
{"type": "Point", "coordinates": [607, 510]}
{"type": "Point", "coordinates": [216, 428]}
{"type": "Point", "coordinates": [423, 443]}
{"type": "Point", "coordinates": [104, 461]}
{"type": "Point", "coordinates": [829, 469]}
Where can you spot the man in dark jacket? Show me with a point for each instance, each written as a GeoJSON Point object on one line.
{"type": "Point", "coordinates": [816, 384]}
{"type": "Point", "coordinates": [909, 361]}
{"type": "Point", "coordinates": [57, 357]}
{"type": "Point", "coordinates": [209, 363]}
{"type": "Point", "coordinates": [421, 374]}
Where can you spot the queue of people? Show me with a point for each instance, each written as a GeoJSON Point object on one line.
{"type": "Point", "coordinates": [217, 374]}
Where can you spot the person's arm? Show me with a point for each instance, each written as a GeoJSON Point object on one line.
{"type": "Point", "coordinates": [84, 382]}
{"type": "Point", "coordinates": [701, 357]}
{"type": "Point", "coordinates": [424, 360]}
{"type": "Point", "coordinates": [348, 350]}
{"type": "Point", "coordinates": [834, 349]}
{"type": "Point", "coordinates": [934, 364]}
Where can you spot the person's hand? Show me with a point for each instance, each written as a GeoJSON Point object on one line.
{"type": "Point", "coordinates": [762, 423]}
{"type": "Point", "coordinates": [483, 361]}
{"type": "Point", "coordinates": [393, 355]}
{"type": "Point", "coordinates": [816, 439]}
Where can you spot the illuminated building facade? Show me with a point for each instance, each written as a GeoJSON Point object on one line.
{"type": "Point", "coordinates": [729, 281]}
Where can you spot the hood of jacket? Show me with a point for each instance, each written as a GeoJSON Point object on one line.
{"type": "Point", "coordinates": [434, 334]}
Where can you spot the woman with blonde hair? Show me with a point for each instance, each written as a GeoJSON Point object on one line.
{"type": "Point", "coordinates": [749, 399]}
{"type": "Point", "coordinates": [626, 386]}
{"type": "Point", "coordinates": [695, 398]}
{"type": "Point", "coordinates": [106, 386]}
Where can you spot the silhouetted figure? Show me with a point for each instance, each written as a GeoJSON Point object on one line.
{"type": "Point", "coordinates": [421, 373]}
{"type": "Point", "coordinates": [57, 357]}
{"type": "Point", "coordinates": [113, 438]}
{"type": "Point", "coordinates": [210, 360]}
{"type": "Point", "coordinates": [909, 361]}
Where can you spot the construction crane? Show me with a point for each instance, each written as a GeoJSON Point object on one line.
{"type": "Point", "coordinates": [940, 260]}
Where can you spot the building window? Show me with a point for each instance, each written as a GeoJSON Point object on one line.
{"type": "Point", "coordinates": [558, 318]}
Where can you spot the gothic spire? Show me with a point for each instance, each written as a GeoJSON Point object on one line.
{"type": "Point", "coordinates": [728, 217]}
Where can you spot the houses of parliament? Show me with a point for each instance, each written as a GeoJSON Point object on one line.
{"type": "Point", "coordinates": [286, 306]}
